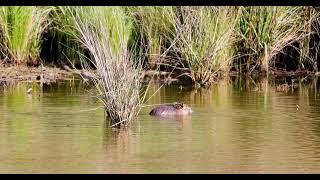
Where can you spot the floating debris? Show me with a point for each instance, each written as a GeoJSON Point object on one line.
{"type": "Point", "coordinates": [283, 87]}
{"type": "Point", "coordinates": [29, 90]}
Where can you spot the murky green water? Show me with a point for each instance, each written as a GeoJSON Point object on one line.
{"type": "Point", "coordinates": [237, 127]}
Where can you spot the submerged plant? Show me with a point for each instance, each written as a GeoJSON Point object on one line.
{"type": "Point", "coordinates": [21, 28]}
{"type": "Point", "coordinates": [205, 36]}
{"type": "Point", "coordinates": [105, 32]}
{"type": "Point", "coordinates": [264, 32]}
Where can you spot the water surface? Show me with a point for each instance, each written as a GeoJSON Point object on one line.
{"type": "Point", "coordinates": [238, 126]}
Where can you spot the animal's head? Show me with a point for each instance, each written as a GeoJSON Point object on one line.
{"type": "Point", "coordinates": [178, 105]}
{"type": "Point", "coordinates": [184, 109]}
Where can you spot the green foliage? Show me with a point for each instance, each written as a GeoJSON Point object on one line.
{"type": "Point", "coordinates": [156, 28]}
{"type": "Point", "coordinates": [63, 44]}
{"type": "Point", "coordinates": [206, 41]}
{"type": "Point", "coordinates": [265, 31]}
{"type": "Point", "coordinates": [105, 32]}
{"type": "Point", "coordinates": [21, 28]}
{"type": "Point", "coordinates": [205, 38]}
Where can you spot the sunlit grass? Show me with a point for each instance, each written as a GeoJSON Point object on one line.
{"type": "Point", "coordinates": [21, 28]}
{"type": "Point", "coordinates": [264, 32]}
{"type": "Point", "coordinates": [205, 36]}
{"type": "Point", "coordinates": [156, 27]}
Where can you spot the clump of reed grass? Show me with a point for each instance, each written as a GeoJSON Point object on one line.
{"type": "Point", "coordinates": [64, 47]}
{"type": "Point", "coordinates": [105, 32]}
{"type": "Point", "coordinates": [205, 36]}
{"type": "Point", "coordinates": [155, 25]}
{"type": "Point", "coordinates": [311, 43]}
{"type": "Point", "coordinates": [21, 28]}
{"type": "Point", "coordinates": [264, 32]}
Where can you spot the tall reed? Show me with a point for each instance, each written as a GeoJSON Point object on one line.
{"type": "Point", "coordinates": [264, 32]}
{"type": "Point", "coordinates": [205, 36]}
{"type": "Point", "coordinates": [21, 28]}
{"type": "Point", "coordinates": [105, 32]}
{"type": "Point", "coordinates": [64, 46]}
{"type": "Point", "coordinates": [310, 44]}
{"type": "Point", "coordinates": [157, 31]}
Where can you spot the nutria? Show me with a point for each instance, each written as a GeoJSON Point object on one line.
{"type": "Point", "coordinates": [171, 109]}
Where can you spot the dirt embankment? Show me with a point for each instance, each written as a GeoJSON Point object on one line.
{"type": "Point", "coordinates": [46, 74]}
{"type": "Point", "coordinates": [9, 74]}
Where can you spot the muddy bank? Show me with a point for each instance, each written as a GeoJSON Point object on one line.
{"type": "Point", "coordinates": [46, 74]}
{"type": "Point", "coordinates": [278, 73]}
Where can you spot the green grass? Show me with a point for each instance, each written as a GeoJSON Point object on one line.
{"type": "Point", "coordinates": [205, 36]}
{"type": "Point", "coordinates": [21, 28]}
{"type": "Point", "coordinates": [155, 25]}
{"type": "Point", "coordinates": [264, 32]}
{"type": "Point", "coordinates": [62, 31]}
{"type": "Point", "coordinates": [207, 41]}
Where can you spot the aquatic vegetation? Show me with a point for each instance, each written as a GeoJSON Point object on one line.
{"type": "Point", "coordinates": [156, 28]}
{"type": "Point", "coordinates": [314, 38]}
{"type": "Point", "coordinates": [60, 45]}
{"type": "Point", "coordinates": [105, 32]}
{"type": "Point", "coordinates": [264, 33]}
{"type": "Point", "coordinates": [205, 36]}
{"type": "Point", "coordinates": [196, 43]}
{"type": "Point", "coordinates": [21, 28]}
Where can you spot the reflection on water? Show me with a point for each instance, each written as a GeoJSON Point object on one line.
{"type": "Point", "coordinates": [240, 125]}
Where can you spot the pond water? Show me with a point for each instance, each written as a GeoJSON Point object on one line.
{"type": "Point", "coordinates": [238, 126]}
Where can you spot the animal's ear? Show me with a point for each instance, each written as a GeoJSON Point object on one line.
{"type": "Point", "coordinates": [180, 105]}
{"type": "Point", "coordinates": [177, 106]}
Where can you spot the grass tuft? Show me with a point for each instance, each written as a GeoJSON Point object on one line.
{"type": "Point", "coordinates": [21, 28]}
{"type": "Point", "coordinates": [105, 32]}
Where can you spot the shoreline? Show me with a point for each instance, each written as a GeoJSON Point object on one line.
{"type": "Point", "coordinates": [15, 73]}
{"type": "Point", "coordinates": [10, 74]}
